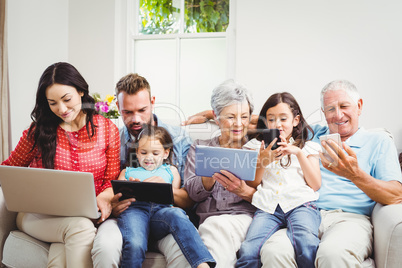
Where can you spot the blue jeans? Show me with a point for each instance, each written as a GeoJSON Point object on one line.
{"type": "Point", "coordinates": [143, 220]}
{"type": "Point", "coordinates": [302, 229]}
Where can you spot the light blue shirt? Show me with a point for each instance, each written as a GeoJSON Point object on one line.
{"type": "Point", "coordinates": [181, 145]}
{"type": "Point", "coordinates": [142, 174]}
{"type": "Point", "coordinates": [377, 156]}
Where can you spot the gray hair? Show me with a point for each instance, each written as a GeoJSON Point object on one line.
{"type": "Point", "coordinates": [228, 93]}
{"type": "Point", "coordinates": [344, 85]}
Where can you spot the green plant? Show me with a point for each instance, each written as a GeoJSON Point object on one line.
{"type": "Point", "coordinates": [163, 16]}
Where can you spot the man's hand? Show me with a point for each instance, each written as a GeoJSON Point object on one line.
{"type": "Point", "coordinates": [204, 116]}
{"type": "Point", "coordinates": [199, 118]}
{"type": "Point", "coordinates": [344, 164]}
{"type": "Point", "coordinates": [119, 206]}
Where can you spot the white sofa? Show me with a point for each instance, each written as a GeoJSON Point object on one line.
{"type": "Point", "coordinates": [20, 250]}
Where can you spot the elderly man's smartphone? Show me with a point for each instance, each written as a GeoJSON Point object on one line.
{"type": "Point", "coordinates": [269, 135]}
{"type": "Point", "coordinates": [336, 138]}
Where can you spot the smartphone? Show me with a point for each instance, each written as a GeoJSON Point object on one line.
{"type": "Point", "coordinates": [336, 138]}
{"type": "Point", "coordinates": [269, 135]}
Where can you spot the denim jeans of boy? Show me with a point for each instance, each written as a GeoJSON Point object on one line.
{"type": "Point", "coordinates": [302, 229]}
{"type": "Point", "coordinates": [143, 220]}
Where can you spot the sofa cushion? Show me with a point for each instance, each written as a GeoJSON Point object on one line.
{"type": "Point", "coordinates": [387, 221]}
{"type": "Point", "coordinates": [7, 222]}
{"type": "Point", "coordinates": [22, 250]}
{"type": "Point", "coordinates": [154, 260]}
{"type": "Point", "coordinates": [368, 263]}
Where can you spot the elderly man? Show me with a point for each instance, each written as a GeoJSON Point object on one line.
{"type": "Point", "coordinates": [365, 170]}
{"type": "Point", "coordinates": [135, 104]}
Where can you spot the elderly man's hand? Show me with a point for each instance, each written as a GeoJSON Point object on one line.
{"type": "Point", "coordinates": [345, 164]}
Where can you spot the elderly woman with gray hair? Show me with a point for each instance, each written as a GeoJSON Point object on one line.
{"type": "Point", "coordinates": [224, 216]}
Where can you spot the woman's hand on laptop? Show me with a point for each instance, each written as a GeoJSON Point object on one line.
{"type": "Point", "coordinates": [104, 202]}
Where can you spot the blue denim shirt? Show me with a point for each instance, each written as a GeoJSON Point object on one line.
{"type": "Point", "coordinates": [181, 145]}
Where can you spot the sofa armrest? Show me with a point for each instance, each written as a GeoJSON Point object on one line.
{"type": "Point", "coordinates": [7, 222]}
{"type": "Point", "coordinates": [387, 222]}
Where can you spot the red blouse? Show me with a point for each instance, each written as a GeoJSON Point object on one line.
{"type": "Point", "coordinates": [99, 155]}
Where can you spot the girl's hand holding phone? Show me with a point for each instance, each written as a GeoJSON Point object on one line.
{"type": "Point", "coordinates": [267, 155]}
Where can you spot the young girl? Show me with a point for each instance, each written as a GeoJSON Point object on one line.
{"type": "Point", "coordinates": [286, 181]}
{"type": "Point", "coordinates": [143, 219]}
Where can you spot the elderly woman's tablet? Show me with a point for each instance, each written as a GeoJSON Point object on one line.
{"type": "Point", "coordinates": [210, 160]}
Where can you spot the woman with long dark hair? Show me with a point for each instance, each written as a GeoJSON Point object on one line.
{"type": "Point", "coordinates": [67, 134]}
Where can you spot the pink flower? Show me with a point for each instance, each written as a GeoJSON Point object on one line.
{"type": "Point", "coordinates": [97, 106]}
{"type": "Point", "coordinates": [104, 108]}
{"type": "Point", "coordinates": [108, 107]}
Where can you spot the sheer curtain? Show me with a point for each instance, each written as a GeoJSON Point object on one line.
{"type": "Point", "coordinates": [5, 129]}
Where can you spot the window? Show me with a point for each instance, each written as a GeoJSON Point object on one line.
{"type": "Point", "coordinates": [183, 16]}
{"type": "Point", "coordinates": [183, 49]}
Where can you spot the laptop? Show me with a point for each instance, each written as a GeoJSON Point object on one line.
{"type": "Point", "coordinates": [210, 160]}
{"type": "Point", "coordinates": [161, 193]}
{"type": "Point", "coordinates": [49, 191]}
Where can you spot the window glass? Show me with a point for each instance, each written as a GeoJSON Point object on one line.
{"type": "Point", "coordinates": [164, 16]}
{"type": "Point", "coordinates": [203, 67]}
{"type": "Point", "coordinates": [180, 46]}
{"type": "Point", "coordinates": [156, 61]}
{"type": "Point", "coordinates": [206, 16]}
{"type": "Point", "coordinates": [159, 17]}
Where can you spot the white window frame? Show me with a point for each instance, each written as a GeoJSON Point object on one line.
{"type": "Point", "coordinates": [126, 30]}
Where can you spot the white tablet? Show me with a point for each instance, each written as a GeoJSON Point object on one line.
{"type": "Point", "coordinates": [210, 160]}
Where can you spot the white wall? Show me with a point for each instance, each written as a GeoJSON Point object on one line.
{"type": "Point", "coordinates": [299, 46]}
{"type": "Point", "coordinates": [91, 42]}
{"type": "Point", "coordinates": [37, 37]}
{"type": "Point", "coordinates": [42, 32]}
{"type": "Point", "coordinates": [291, 45]}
